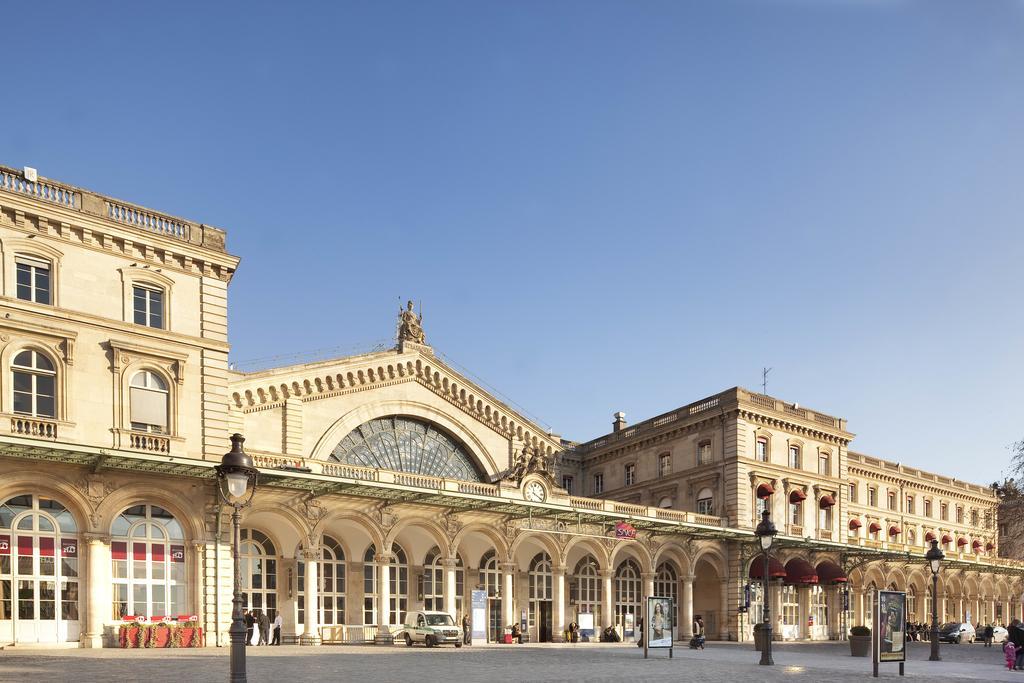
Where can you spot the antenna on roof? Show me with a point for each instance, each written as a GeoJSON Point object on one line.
{"type": "Point", "coordinates": [764, 380]}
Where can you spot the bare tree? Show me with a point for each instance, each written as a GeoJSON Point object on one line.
{"type": "Point", "coordinates": [1011, 505]}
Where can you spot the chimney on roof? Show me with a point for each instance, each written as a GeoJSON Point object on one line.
{"type": "Point", "coordinates": [620, 422]}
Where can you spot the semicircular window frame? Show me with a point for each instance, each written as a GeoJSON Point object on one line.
{"type": "Point", "coordinates": [407, 444]}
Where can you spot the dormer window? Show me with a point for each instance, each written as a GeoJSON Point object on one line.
{"type": "Point", "coordinates": [33, 279]}
{"type": "Point", "coordinates": [148, 306]}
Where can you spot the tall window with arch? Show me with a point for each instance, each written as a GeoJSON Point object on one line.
{"type": "Point", "coordinates": [398, 578]}
{"type": "Point", "coordinates": [148, 554]}
{"type": "Point", "coordinates": [588, 588]}
{"type": "Point", "coordinates": [39, 571]}
{"type": "Point", "coordinates": [790, 605]}
{"type": "Point", "coordinates": [34, 384]}
{"type": "Point", "coordinates": [149, 401]}
{"type": "Point", "coordinates": [628, 592]}
{"type": "Point", "coordinates": [540, 580]}
{"type": "Point", "coordinates": [330, 584]}
{"type": "Point", "coordinates": [433, 582]}
{"type": "Point", "coordinates": [490, 577]}
{"type": "Point", "coordinates": [818, 609]}
{"type": "Point", "coordinates": [258, 568]}
{"type": "Point", "coordinates": [666, 585]}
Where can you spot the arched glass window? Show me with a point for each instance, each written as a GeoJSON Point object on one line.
{"type": "Point", "coordinates": [34, 382]}
{"type": "Point", "coordinates": [405, 444]}
{"type": "Point", "coordinates": [911, 604]}
{"type": "Point", "coordinates": [331, 580]}
{"type": "Point", "coordinates": [148, 554]}
{"type": "Point", "coordinates": [627, 592]}
{"type": "Point", "coordinates": [666, 585]}
{"type": "Point", "coordinates": [540, 577]}
{"type": "Point", "coordinates": [38, 571]}
{"type": "Point", "coordinates": [790, 606]}
{"type": "Point", "coordinates": [490, 577]}
{"type": "Point", "coordinates": [399, 588]}
{"type": "Point", "coordinates": [588, 588]}
{"type": "Point", "coordinates": [148, 403]}
{"type": "Point", "coordinates": [819, 606]}
{"type": "Point", "coordinates": [258, 568]}
{"type": "Point", "coordinates": [433, 582]}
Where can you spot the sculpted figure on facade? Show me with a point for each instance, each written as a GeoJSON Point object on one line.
{"type": "Point", "coordinates": [410, 326]}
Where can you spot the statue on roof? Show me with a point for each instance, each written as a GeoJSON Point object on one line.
{"type": "Point", "coordinates": [410, 326]}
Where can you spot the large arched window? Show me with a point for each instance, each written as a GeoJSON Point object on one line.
{"type": "Point", "coordinates": [666, 585]}
{"type": "Point", "coordinates": [588, 588]}
{"type": "Point", "coordinates": [331, 580]}
{"type": "Point", "coordinates": [627, 593]}
{"type": "Point", "coordinates": [405, 444]}
{"type": "Point", "coordinates": [148, 552]}
{"type": "Point", "coordinates": [490, 577]}
{"type": "Point", "coordinates": [398, 580]}
{"type": "Point", "coordinates": [149, 401]}
{"type": "Point", "coordinates": [540, 577]}
{"type": "Point", "coordinates": [38, 571]}
{"type": "Point", "coordinates": [34, 383]}
{"type": "Point", "coordinates": [258, 568]}
{"type": "Point", "coordinates": [433, 581]}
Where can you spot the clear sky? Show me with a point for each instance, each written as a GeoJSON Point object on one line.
{"type": "Point", "coordinates": [602, 205]}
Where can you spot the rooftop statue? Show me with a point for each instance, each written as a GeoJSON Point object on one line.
{"type": "Point", "coordinates": [410, 326]}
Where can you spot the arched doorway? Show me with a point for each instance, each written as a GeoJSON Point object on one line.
{"type": "Point", "coordinates": [399, 585]}
{"type": "Point", "coordinates": [586, 591]}
{"type": "Point", "coordinates": [38, 571]}
{"type": "Point", "coordinates": [540, 609]}
{"type": "Point", "coordinates": [666, 585]}
{"type": "Point", "coordinates": [628, 597]}
{"type": "Point", "coordinates": [330, 583]}
{"type": "Point", "coordinates": [152, 582]}
{"type": "Point", "coordinates": [433, 582]}
{"type": "Point", "coordinates": [258, 569]}
{"type": "Point", "coordinates": [490, 577]}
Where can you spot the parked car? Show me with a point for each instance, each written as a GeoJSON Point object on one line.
{"type": "Point", "coordinates": [431, 628]}
{"type": "Point", "coordinates": [956, 632]}
{"type": "Point", "coordinates": [999, 635]}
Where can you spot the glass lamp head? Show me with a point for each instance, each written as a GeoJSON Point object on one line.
{"type": "Point", "coordinates": [934, 557]}
{"type": "Point", "coordinates": [765, 532]}
{"type": "Point", "coordinates": [236, 472]}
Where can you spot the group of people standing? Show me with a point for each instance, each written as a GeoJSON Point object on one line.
{"type": "Point", "coordinates": [1013, 648]}
{"type": "Point", "coordinates": [257, 620]}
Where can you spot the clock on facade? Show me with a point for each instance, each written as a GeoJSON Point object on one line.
{"type": "Point", "coordinates": [535, 492]}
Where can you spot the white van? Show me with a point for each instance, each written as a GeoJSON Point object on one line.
{"type": "Point", "coordinates": [431, 628]}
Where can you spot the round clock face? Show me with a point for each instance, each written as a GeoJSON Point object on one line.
{"type": "Point", "coordinates": [535, 492]}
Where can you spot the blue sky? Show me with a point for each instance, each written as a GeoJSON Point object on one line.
{"type": "Point", "coordinates": [602, 205]}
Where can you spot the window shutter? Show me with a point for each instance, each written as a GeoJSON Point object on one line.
{"type": "Point", "coordinates": [148, 407]}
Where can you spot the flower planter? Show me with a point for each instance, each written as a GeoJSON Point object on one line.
{"type": "Point", "coordinates": [136, 635]}
{"type": "Point", "coordinates": [759, 637]}
{"type": "Point", "coordinates": [860, 646]}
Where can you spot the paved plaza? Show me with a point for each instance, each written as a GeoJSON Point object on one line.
{"type": "Point", "coordinates": [592, 663]}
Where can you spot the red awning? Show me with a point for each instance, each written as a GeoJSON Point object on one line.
{"type": "Point", "coordinates": [929, 537]}
{"type": "Point", "coordinates": [826, 501]}
{"type": "Point", "coordinates": [946, 538]}
{"type": "Point", "coordinates": [775, 569]}
{"type": "Point", "coordinates": [799, 570]}
{"type": "Point", "coordinates": [855, 523]}
{"type": "Point", "coordinates": [797, 495]}
{"type": "Point", "coordinates": [765, 490]}
{"type": "Point", "coordinates": [990, 546]}
{"type": "Point", "coordinates": [976, 545]}
{"type": "Point", "coordinates": [961, 542]}
{"type": "Point", "coordinates": [895, 530]}
{"type": "Point", "coordinates": [829, 572]}
{"type": "Point", "coordinates": [874, 526]}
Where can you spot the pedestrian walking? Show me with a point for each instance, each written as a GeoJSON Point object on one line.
{"type": "Point", "coordinates": [1010, 650]}
{"type": "Point", "coordinates": [466, 639]}
{"type": "Point", "coordinates": [250, 622]}
{"type": "Point", "coordinates": [278, 623]}
{"type": "Point", "coordinates": [263, 623]}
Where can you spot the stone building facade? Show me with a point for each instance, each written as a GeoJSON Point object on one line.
{"type": "Point", "coordinates": [389, 481]}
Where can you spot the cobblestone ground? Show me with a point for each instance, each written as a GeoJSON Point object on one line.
{"type": "Point", "coordinates": [585, 662]}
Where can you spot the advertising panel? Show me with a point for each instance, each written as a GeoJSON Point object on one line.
{"type": "Point", "coordinates": [659, 622]}
{"type": "Point", "coordinates": [892, 632]}
{"type": "Point", "coordinates": [478, 616]}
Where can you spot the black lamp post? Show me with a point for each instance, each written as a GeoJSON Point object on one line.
{"type": "Point", "coordinates": [766, 533]}
{"type": "Point", "coordinates": [935, 557]}
{"type": "Point", "coordinates": [236, 484]}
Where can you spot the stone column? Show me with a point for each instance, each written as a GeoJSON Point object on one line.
{"type": "Point", "coordinates": [287, 604]}
{"type": "Point", "coordinates": [608, 596]}
{"type": "Point", "coordinates": [558, 611]}
{"type": "Point", "coordinates": [311, 632]}
{"type": "Point", "coordinates": [450, 602]}
{"type": "Point", "coordinates": [383, 599]}
{"type": "Point", "coordinates": [686, 628]}
{"type": "Point", "coordinates": [98, 604]}
{"type": "Point", "coordinates": [804, 599]}
{"type": "Point", "coordinates": [508, 608]}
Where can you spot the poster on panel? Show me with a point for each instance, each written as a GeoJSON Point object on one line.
{"type": "Point", "coordinates": [659, 622]}
{"type": "Point", "coordinates": [892, 612]}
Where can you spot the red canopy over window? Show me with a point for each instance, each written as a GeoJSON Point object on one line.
{"type": "Point", "coordinates": [855, 524]}
{"type": "Point", "coordinates": [976, 545]}
{"type": "Point", "coordinates": [775, 569]}
{"type": "Point", "coordinates": [797, 495]}
{"type": "Point", "coordinates": [961, 542]}
{"type": "Point", "coordinates": [829, 572]}
{"type": "Point", "coordinates": [765, 490]}
{"type": "Point", "coordinates": [826, 501]}
{"type": "Point", "coordinates": [946, 538]}
{"type": "Point", "coordinates": [990, 546]}
{"type": "Point", "coordinates": [895, 530]}
{"type": "Point", "coordinates": [799, 570]}
{"type": "Point", "coordinates": [929, 537]}
{"type": "Point", "coordinates": [874, 526]}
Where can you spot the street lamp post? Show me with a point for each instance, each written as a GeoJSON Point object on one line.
{"type": "Point", "coordinates": [935, 557]}
{"type": "Point", "coordinates": [765, 533]}
{"type": "Point", "coordinates": [236, 484]}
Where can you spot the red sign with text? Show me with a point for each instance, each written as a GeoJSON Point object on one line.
{"type": "Point", "coordinates": [5, 545]}
{"type": "Point", "coordinates": [624, 530]}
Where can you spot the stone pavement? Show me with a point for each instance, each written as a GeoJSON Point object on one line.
{"type": "Point", "coordinates": [597, 663]}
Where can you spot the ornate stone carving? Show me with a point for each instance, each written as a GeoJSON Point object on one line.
{"type": "Point", "coordinates": [386, 517]}
{"type": "Point", "coordinates": [410, 326]}
{"type": "Point", "coordinates": [530, 460]}
{"type": "Point", "coordinates": [96, 488]}
{"type": "Point", "coordinates": [314, 510]}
